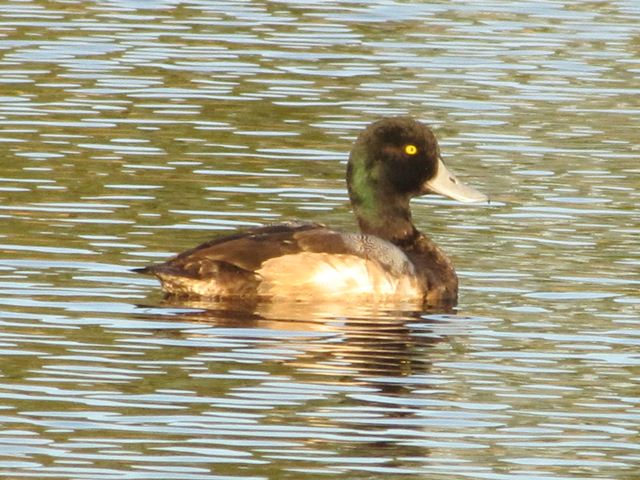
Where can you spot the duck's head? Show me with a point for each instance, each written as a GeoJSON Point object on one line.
{"type": "Point", "coordinates": [393, 160]}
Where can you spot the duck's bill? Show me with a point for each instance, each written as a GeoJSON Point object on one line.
{"type": "Point", "coordinates": [445, 183]}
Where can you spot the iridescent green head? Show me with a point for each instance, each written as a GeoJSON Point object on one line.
{"type": "Point", "coordinates": [393, 160]}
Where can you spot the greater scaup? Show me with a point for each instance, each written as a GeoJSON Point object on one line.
{"type": "Point", "coordinates": [393, 160]}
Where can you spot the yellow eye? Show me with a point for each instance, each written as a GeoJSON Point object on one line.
{"type": "Point", "coordinates": [410, 149]}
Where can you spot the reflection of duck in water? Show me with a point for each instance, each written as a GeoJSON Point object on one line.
{"type": "Point", "coordinates": [392, 161]}
{"type": "Point", "coordinates": [364, 377]}
{"type": "Point", "coordinates": [360, 340]}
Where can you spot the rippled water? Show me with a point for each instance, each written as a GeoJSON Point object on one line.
{"type": "Point", "coordinates": [130, 130]}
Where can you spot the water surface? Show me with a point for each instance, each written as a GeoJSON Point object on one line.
{"type": "Point", "coordinates": [133, 130]}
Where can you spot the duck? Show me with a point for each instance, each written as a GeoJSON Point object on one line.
{"type": "Point", "coordinates": [393, 160]}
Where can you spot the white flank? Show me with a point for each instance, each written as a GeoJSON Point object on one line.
{"type": "Point", "coordinates": [320, 274]}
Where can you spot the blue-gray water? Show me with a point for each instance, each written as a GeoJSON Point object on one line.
{"type": "Point", "coordinates": [131, 130]}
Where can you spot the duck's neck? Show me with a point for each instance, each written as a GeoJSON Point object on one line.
{"type": "Point", "coordinates": [391, 222]}
{"type": "Point", "coordinates": [381, 213]}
